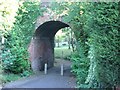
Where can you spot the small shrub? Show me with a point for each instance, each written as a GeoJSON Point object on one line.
{"type": "Point", "coordinates": [80, 67]}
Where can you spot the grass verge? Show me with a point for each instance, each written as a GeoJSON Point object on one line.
{"type": "Point", "coordinates": [62, 52]}
{"type": "Point", "coordinates": [9, 77]}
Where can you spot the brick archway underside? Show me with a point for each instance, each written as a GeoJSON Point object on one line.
{"type": "Point", "coordinates": [41, 48]}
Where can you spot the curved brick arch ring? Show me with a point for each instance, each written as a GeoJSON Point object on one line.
{"type": "Point", "coordinates": [41, 47]}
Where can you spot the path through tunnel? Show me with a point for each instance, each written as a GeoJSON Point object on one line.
{"type": "Point", "coordinates": [41, 48]}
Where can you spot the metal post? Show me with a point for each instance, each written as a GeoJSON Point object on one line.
{"type": "Point", "coordinates": [61, 69]}
{"type": "Point", "coordinates": [45, 68]}
{"type": "Point", "coordinates": [62, 54]}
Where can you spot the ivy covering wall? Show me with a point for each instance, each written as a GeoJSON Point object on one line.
{"type": "Point", "coordinates": [15, 58]}
{"type": "Point", "coordinates": [96, 27]}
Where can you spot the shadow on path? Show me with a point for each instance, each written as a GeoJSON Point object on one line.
{"type": "Point", "coordinates": [51, 80]}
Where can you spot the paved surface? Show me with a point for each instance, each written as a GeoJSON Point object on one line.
{"type": "Point", "coordinates": [51, 80]}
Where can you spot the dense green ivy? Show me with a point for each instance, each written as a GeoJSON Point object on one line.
{"type": "Point", "coordinates": [15, 55]}
{"type": "Point", "coordinates": [104, 46]}
{"type": "Point", "coordinates": [78, 17]}
{"type": "Point", "coordinates": [96, 27]}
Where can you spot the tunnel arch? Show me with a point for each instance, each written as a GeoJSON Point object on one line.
{"type": "Point", "coordinates": [50, 28]}
{"type": "Point", "coordinates": [41, 48]}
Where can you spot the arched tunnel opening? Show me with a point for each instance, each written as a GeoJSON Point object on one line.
{"type": "Point", "coordinates": [42, 45]}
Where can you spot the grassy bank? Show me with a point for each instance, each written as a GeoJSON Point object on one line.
{"type": "Point", "coordinates": [9, 77]}
{"type": "Point", "coordinates": [62, 52]}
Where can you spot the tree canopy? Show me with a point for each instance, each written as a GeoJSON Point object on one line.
{"type": "Point", "coordinates": [96, 27]}
{"type": "Point", "coordinates": [15, 55]}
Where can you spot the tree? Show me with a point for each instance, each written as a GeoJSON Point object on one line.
{"type": "Point", "coordinates": [15, 55]}
{"type": "Point", "coordinates": [8, 11]}
{"type": "Point", "coordinates": [96, 28]}
{"type": "Point", "coordinates": [77, 17]}
{"type": "Point", "coordinates": [104, 46]}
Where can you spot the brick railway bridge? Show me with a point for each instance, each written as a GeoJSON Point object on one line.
{"type": "Point", "coordinates": [41, 48]}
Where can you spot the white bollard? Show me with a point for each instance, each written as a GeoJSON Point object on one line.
{"type": "Point", "coordinates": [62, 70]}
{"type": "Point", "coordinates": [3, 40]}
{"type": "Point", "coordinates": [45, 68]}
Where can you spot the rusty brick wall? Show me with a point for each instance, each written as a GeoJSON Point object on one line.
{"type": "Point", "coordinates": [42, 19]}
{"type": "Point", "coordinates": [41, 49]}
{"type": "Point", "coordinates": [41, 52]}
